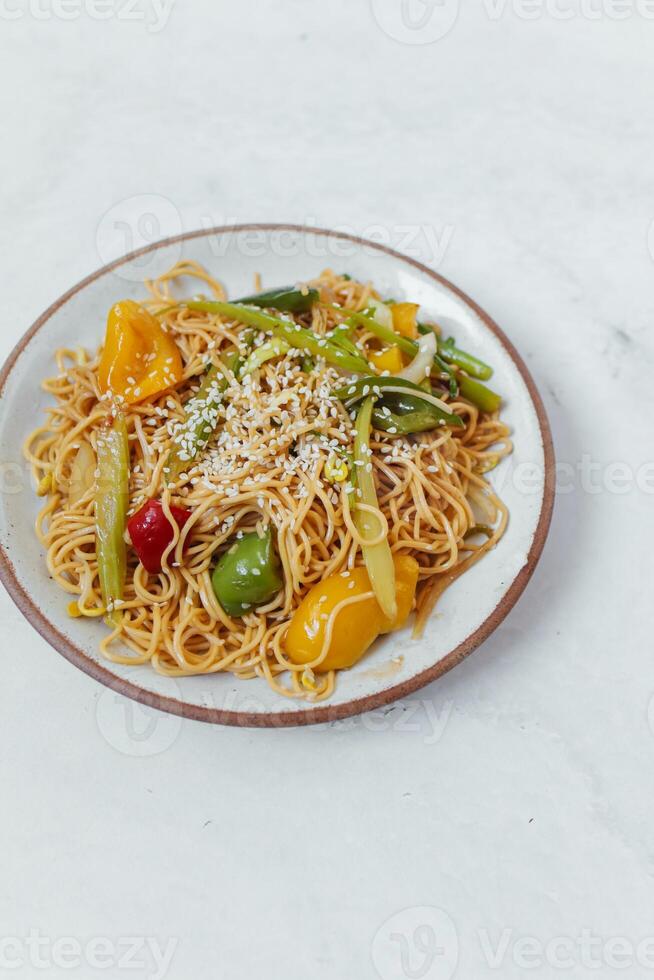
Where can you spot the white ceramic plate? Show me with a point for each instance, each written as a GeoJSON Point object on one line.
{"type": "Point", "coordinates": [468, 612]}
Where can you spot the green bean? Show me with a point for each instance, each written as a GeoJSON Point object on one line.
{"type": "Point", "coordinates": [478, 394]}
{"type": "Point", "coordinates": [461, 359]}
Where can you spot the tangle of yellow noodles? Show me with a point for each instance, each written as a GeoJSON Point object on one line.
{"type": "Point", "coordinates": [264, 466]}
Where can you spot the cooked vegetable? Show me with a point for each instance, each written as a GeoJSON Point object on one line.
{"type": "Point", "coordinates": [484, 529]}
{"type": "Point", "coordinates": [233, 362]}
{"type": "Point", "coordinates": [403, 415]}
{"type": "Point", "coordinates": [275, 347]}
{"type": "Point", "coordinates": [110, 512]}
{"type": "Point", "coordinates": [336, 469]}
{"type": "Point", "coordinates": [422, 364]}
{"type": "Point", "coordinates": [201, 415]}
{"type": "Point", "coordinates": [300, 338]}
{"type": "Point", "coordinates": [82, 473]}
{"type": "Point", "coordinates": [341, 337]}
{"type": "Point", "coordinates": [139, 359]}
{"type": "Point", "coordinates": [385, 333]}
{"type": "Point", "coordinates": [248, 574]}
{"type": "Point", "coordinates": [410, 347]}
{"type": "Point", "coordinates": [381, 387]}
{"type": "Point", "coordinates": [356, 625]}
{"type": "Point", "coordinates": [407, 572]}
{"type": "Point", "coordinates": [381, 312]}
{"type": "Point", "coordinates": [389, 359]}
{"type": "Point", "coordinates": [46, 485]}
{"type": "Point", "coordinates": [368, 518]}
{"type": "Point", "coordinates": [405, 316]}
{"type": "Point", "coordinates": [471, 389]}
{"type": "Point", "coordinates": [461, 359]}
{"type": "Point", "coordinates": [479, 394]}
{"type": "Point", "coordinates": [151, 532]}
{"type": "Point", "coordinates": [287, 299]}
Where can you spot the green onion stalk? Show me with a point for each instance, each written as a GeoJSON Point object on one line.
{"type": "Point", "coordinates": [377, 557]}
{"type": "Point", "coordinates": [298, 337]}
{"type": "Point", "coordinates": [201, 415]}
{"type": "Point", "coordinates": [111, 504]}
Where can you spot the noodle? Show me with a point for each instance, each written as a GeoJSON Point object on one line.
{"type": "Point", "coordinates": [264, 467]}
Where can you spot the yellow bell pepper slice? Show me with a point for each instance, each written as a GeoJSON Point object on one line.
{"type": "Point", "coordinates": [357, 625]}
{"type": "Point", "coordinates": [390, 359]}
{"type": "Point", "coordinates": [139, 359]}
{"type": "Point", "coordinates": [405, 319]}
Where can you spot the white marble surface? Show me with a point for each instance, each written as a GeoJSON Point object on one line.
{"type": "Point", "coordinates": [515, 794]}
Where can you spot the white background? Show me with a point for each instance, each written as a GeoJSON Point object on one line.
{"type": "Point", "coordinates": [515, 794]}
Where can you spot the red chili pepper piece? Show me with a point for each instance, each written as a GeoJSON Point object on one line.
{"type": "Point", "coordinates": [151, 532]}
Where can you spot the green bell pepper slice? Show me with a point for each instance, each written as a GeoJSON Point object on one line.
{"type": "Point", "coordinates": [378, 386]}
{"type": "Point", "coordinates": [286, 299]}
{"type": "Point", "coordinates": [403, 415]}
{"type": "Point", "coordinates": [248, 574]}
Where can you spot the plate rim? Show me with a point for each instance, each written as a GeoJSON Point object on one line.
{"type": "Point", "coordinates": [322, 713]}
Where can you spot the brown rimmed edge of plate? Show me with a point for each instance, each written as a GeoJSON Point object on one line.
{"type": "Point", "coordinates": [323, 713]}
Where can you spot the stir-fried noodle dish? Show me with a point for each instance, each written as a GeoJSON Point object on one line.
{"type": "Point", "coordinates": [265, 486]}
